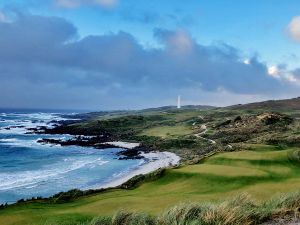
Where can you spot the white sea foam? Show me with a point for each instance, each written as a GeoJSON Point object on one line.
{"type": "Point", "coordinates": [28, 121]}
{"type": "Point", "coordinates": [32, 179]}
{"type": "Point", "coordinates": [122, 144]}
{"type": "Point", "coordinates": [9, 140]}
{"type": "Point", "coordinates": [39, 116]}
{"type": "Point", "coordinates": [15, 130]}
{"type": "Point", "coordinates": [20, 142]}
{"type": "Point", "coordinates": [14, 180]}
{"type": "Point", "coordinates": [152, 162]}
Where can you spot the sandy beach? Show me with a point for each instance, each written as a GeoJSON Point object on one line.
{"type": "Point", "coordinates": [154, 161]}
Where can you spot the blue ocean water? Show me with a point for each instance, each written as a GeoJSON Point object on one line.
{"type": "Point", "coordinates": [29, 169]}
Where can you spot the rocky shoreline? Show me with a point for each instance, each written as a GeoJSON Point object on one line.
{"type": "Point", "coordinates": [105, 140]}
{"type": "Point", "coordinates": [100, 142]}
{"type": "Point", "coordinates": [62, 133]}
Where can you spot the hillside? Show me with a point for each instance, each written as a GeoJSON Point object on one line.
{"type": "Point", "coordinates": [259, 170]}
{"type": "Point", "coordinates": [192, 132]}
{"type": "Point", "coordinates": [274, 105]}
{"type": "Point", "coordinates": [225, 152]}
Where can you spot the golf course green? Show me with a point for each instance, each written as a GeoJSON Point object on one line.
{"type": "Point", "coordinates": [260, 170]}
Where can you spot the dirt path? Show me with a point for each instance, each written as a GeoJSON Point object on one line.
{"type": "Point", "coordinates": [204, 130]}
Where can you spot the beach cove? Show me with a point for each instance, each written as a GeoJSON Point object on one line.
{"type": "Point", "coordinates": [30, 169]}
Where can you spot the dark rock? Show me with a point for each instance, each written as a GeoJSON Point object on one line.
{"type": "Point", "coordinates": [97, 142]}
{"type": "Point", "coordinates": [16, 127]}
{"type": "Point", "coordinates": [275, 118]}
{"type": "Point", "coordinates": [42, 128]}
{"type": "Point", "coordinates": [237, 119]}
{"type": "Point", "coordinates": [227, 122]}
{"type": "Point", "coordinates": [37, 121]}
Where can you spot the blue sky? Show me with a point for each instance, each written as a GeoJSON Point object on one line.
{"type": "Point", "coordinates": [255, 27]}
{"type": "Point", "coordinates": [217, 52]}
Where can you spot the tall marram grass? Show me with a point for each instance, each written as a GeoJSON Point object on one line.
{"type": "Point", "coordinates": [241, 210]}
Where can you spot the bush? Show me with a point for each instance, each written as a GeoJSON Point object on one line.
{"type": "Point", "coordinates": [67, 196]}
{"type": "Point", "coordinates": [139, 179]}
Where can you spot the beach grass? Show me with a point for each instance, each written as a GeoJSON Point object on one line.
{"type": "Point", "coordinates": [261, 170]}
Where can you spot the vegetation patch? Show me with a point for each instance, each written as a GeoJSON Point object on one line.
{"type": "Point", "coordinates": [242, 210]}
{"type": "Point", "coordinates": [261, 171]}
{"type": "Point", "coordinates": [235, 138]}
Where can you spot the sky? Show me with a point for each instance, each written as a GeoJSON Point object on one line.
{"type": "Point", "coordinates": [133, 54]}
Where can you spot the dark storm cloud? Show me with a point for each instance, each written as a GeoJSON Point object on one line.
{"type": "Point", "coordinates": [42, 58]}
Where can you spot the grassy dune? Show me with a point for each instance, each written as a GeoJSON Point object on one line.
{"type": "Point", "coordinates": [261, 170]}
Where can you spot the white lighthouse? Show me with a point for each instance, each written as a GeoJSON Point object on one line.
{"type": "Point", "coordinates": [179, 102]}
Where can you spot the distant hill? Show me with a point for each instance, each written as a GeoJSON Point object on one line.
{"type": "Point", "coordinates": [285, 104]}
{"type": "Point", "coordinates": [93, 115]}
{"type": "Point", "coordinates": [167, 108]}
{"type": "Point", "coordinates": [270, 105]}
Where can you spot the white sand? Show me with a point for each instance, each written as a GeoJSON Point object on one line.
{"type": "Point", "coordinates": [122, 144]}
{"type": "Point", "coordinates": [157, 160]}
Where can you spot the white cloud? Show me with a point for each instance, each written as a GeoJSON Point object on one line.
{"type": "Point", "coordinates": [178, 42]}
{"type": "Point", "coordinates": [292, 78]}
{"type": "Point", "coordinates": [247, 61]}
{"type": "Point", "coordinates": [274, 71]}
{"type": "Point", "coordinates": [182, 41]}
{"type": "Point", "coordinates": [294, 28]}
{"type": "Point", "coordinates": [3, 18]}
{"type": "Point", "coordinates": [119, 72]}
{"type": "Point", "coordinates": [283, 74]}
{"type": "Point", "coordinates": [78, 3]}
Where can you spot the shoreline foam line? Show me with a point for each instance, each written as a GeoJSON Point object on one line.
{"type": "Point", "coordinates": [154, 161]}
{"type": "Point", "coordinates": [121, 144]}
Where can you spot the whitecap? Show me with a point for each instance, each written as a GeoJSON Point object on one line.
{"type": "Point", "coordinates": [14, 180]}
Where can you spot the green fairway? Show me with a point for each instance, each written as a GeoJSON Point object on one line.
{"type": "Point", "coordinates": [261, 171]}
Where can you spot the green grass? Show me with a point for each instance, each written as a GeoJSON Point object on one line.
{"type": "Point", "coordinates": [261, 171]}
{"type": "Point", "coordinates": [241, 210]}
{"type": "Point", "coordinates": [168, 131]}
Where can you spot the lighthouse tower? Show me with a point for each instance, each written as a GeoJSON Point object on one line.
{"type": "Point", "coordinates": [179, 102]}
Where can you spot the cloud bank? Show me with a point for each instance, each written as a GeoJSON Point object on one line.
{"type": "Point", "coordinates": [45, 64]}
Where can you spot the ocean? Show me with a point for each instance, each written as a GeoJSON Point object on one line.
{"type": "Point", "coordinates": [29, 169]}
